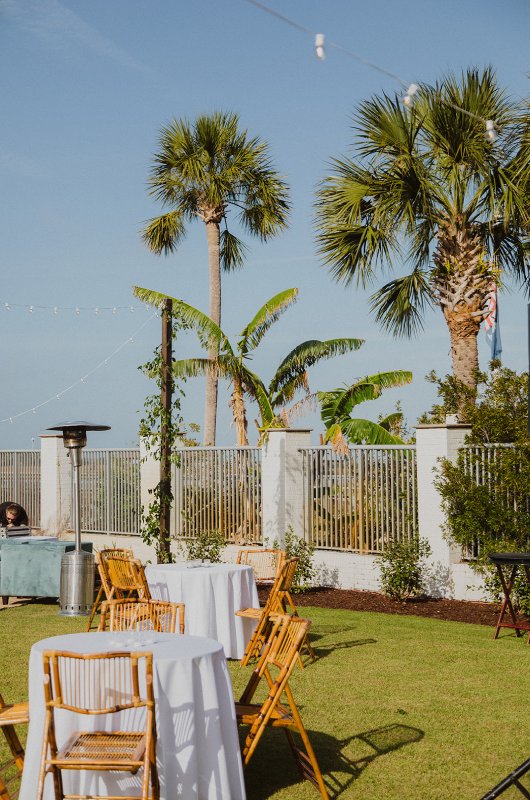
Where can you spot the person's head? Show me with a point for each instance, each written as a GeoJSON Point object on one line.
{"type": "Point", "coordinates": [12, 512]}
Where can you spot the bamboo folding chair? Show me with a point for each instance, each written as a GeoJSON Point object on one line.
{"type": "Point", "coordinates": [279, 601]}
{"type": "Point", "coordinates": [265, 563]}
{"type": "Point", "coordinates": [141, 615]}
{"type": "Point", "coordinates": [106, 590]}
{"type": "Point", "coordinates": [279, 656]}
{"type": "Point", "coordinates": [11, 715]}
{"type": "Point", "coordinates": [99, 684]}
{"type": "Point", "coordinates": [127, 578]}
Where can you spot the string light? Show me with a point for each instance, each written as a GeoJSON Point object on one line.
{"type": "Point", "coordinates": [411, 88]}
{"type": "Point", "coordinates": [82, 380]}
{"type": "Point", "coordinates": [319, 46]}
{"type": "Point", "coordinates": [32, 307]}
{"type": "Point", "coordinates": [411, 91]}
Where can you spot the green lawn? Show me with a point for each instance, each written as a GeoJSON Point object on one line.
{"type": "Point", "coordinates": [397, 707]}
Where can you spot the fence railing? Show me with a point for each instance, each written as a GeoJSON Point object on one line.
{"type": "Point", "coordinates": [110, 491]}
{"type": "Point", "coordinates": [358, 501]}
{"type": "Point", "coordinates": [481, 463]}
{"type": "Point", "coordinates": [218, 488]}
{"type": "Point", "coordinates": [20, 481]}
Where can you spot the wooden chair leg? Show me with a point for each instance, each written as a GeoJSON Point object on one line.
{"type": "Point", "coordinates": [97, 603]}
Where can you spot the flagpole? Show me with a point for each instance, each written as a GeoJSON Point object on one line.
{"type": "Point", "coordinates": [528, 392]}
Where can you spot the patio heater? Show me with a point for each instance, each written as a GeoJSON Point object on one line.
{"type": "Point", "coordinates": [77, 567]}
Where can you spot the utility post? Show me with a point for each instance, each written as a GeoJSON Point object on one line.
{"type": "Point", "coordinates": [164, 554]}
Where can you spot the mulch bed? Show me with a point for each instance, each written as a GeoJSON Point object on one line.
{"type": "Point", "coordinates": [354, 600]}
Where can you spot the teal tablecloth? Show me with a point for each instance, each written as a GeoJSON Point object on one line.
{"type": "Point", "coordinates": [32, 568]}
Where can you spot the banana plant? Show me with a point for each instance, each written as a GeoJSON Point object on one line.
{"type": "Point", "coordinates": [336, 407]}
{"type": "Point", "coordinates": [231, 362]}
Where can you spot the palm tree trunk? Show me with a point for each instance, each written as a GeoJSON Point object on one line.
{"type": "Point", "coordinates": [237, 403]}
{"type": "Point", "coordinates": [214, 265]}
{"type": "Point", "coordinates": [463, 330]}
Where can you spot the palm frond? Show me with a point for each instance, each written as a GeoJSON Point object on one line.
{"type": "Point", "coordinates": [364, 431]}
{"type": "Point", "coordinates": [400, 303]}
{"type": "Point", "coordinates": [337, 404]}
{"type": "Point", "coordinates": [233, 251]}
{"type": "Point", "coordinates": [267, 315]}
{"type": "Point", "coordinates": [205, 327]}
{"type": "Point", "coordinates": [163, 234]}
{"type": "Point", "coordinates": [290, 375]}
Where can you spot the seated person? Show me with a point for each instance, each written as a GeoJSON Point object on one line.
{"type": "Point", "coordinates": [12, 515]}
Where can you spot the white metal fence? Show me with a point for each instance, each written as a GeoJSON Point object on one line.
{"type": "Point", "coordinates": [358, 501]}
{"type": "Point", "coordinates": [481, 463]}
{"type": "Point", "coordinates": [218, 488]}
{"type": "Point", "coordinates": [110, 491]}
{"type": "Point", "coordinates": [20, 481]}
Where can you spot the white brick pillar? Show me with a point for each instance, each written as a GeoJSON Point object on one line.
{"type": "Point", "coordinates": [56, 485]}
{"type": "Point", "coordinates": [434, 442]}
{"type": "Point", "coordinates": [282, 499]}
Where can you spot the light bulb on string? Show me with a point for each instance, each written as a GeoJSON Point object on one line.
{"type": "Point", "coordinates": [55, 310]}
{"type": "Point", "coordinates": [96, 311]}
{"type": "Point", "coordinates": [409, 96]}
{"type": "Point", "coordinates": [30, 309]}
{"type": "Point", "coordinates": [77, 310]}
{"type": "Point", "coordinates": [320, 52]}
{"type": "Point", "coordinates": [7, 307]}
{"type": "Point", "coordinates": [491, 133]}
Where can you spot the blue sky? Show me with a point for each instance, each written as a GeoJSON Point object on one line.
{"type": "Point", "coordinates": [87, 87]}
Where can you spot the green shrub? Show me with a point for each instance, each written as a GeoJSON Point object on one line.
{"type": "Point", "coordinates": [401, 568]}
{"type": "Point", "coordinates": [206, 546]}
{"type": "Point", "coordinates": [295, 547]}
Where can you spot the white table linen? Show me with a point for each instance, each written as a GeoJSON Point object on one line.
{"type": "Point", "coordinates": [212, 593]}
{"type": "Point", "coordinates": [198, 754]}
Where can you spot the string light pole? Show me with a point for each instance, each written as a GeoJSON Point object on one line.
{"type": "Point", "coordinates": [166, 398]}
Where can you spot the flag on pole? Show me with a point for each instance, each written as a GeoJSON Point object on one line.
{"type": "Point", "coordinates": [491, 322]}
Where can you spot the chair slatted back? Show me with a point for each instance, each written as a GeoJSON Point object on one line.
{"type": "Point", "coordinates": [141, 615]}
{"type": "Point", "coordinates": [101, 561]}
{"type": "Point", "coordinates": [127, 577]}
{"type": "Point", "coordinates": [106, 590]}
{"type": "Point", "coordinates": [99, 683]}
{"type": "Point", "coordinates": [266, 563]}
{"type": "Point", "coordinates": [272, 606]}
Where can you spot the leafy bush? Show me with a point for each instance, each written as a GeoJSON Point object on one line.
{"type": "Point", "coordinates": [206, 546]}
{"type": "Point", "coordinates": [487, 503]}
{"type": "Point", "coordinates": [401, 568]}
{"type": "Point", "coordinates": [295, 547]}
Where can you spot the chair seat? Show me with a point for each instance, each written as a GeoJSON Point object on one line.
{"type": "Point", "coordinates": [102, 749]}
{"type": "Point", "coordinates": [250, 613]}
{"type": "Point", "coordinates": [14, 714]}
{"type": "Point", "coordinates": [247, 713]}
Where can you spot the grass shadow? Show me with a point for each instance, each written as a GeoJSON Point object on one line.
{"type": "Point", "coordinates": [341, 761]}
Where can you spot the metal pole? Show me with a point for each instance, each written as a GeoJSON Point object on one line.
{"type": "Point", "coordinates": [528, 391]}
{"type": "Point", "coordinates": [75, 455]}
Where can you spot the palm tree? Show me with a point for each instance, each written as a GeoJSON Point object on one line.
{"type": "Point", "coordinates": [231, 361]}
{"type": "Point", "coordinates": [430, 181]}
{"type": "Point", "coordinates": [202, 171]}
{"type": "Point", "coordinates": [337, 405]}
